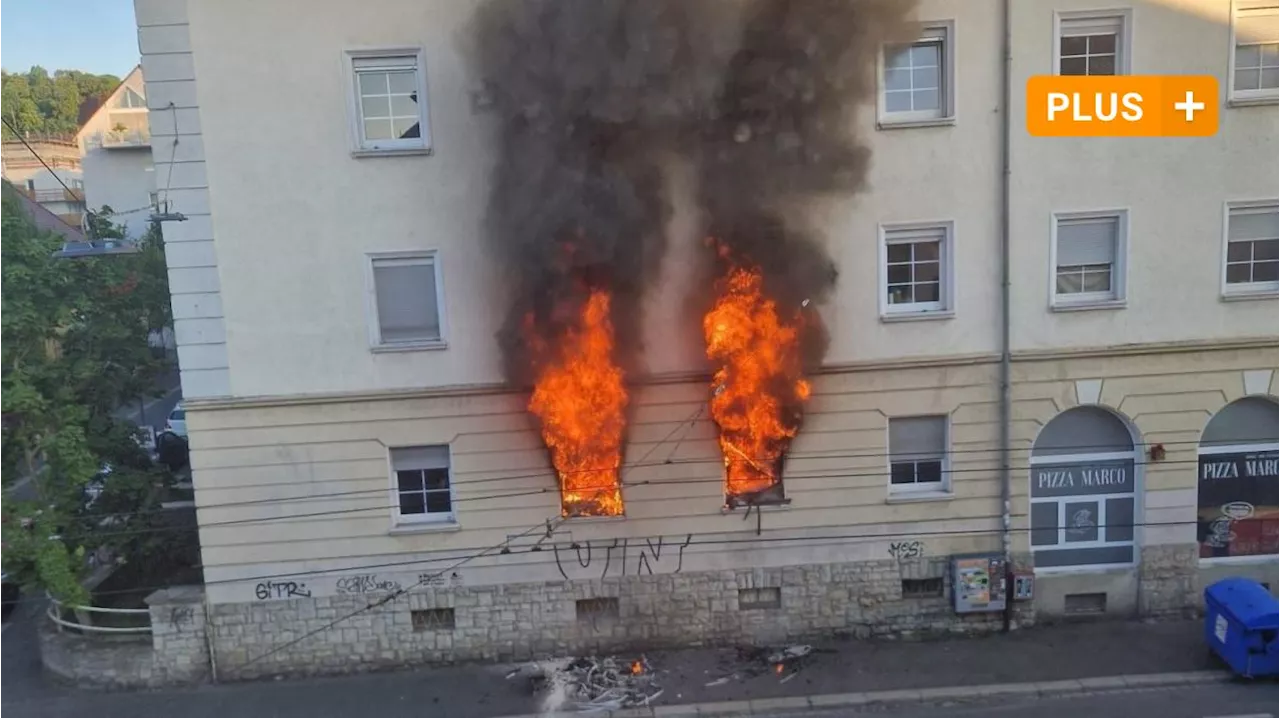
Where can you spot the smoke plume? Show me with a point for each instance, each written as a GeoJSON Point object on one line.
{"type": "Point", "coordinates": [592, 97]}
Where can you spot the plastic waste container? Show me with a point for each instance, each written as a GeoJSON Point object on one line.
{"type": "Point", "coordinates": [1240, 625]}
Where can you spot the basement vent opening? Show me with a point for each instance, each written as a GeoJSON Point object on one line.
{"type": "Point", "coordinates": [922, 587]}
{"type": "Point", "coordinates": [432, 619]}
{"type": "Point", "coordinates": [594, 609]}
{"type": "Point", "coordinates": [759, 598]}
{"type": "Point", "coordinates": [1084, 604]}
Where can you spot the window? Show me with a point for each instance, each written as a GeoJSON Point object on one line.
{"type": "Point", "coordinates": [130, 100]}
{"type": "Point", "coordinates": [1083, 498]}
{"type": "Point", "coordinates": [406, 301]}
{"type": "Point", "coordinates": [1088, 259]}
{"type": "Point", "coordinates": [424, 492]}
{"type": "Point", "coordinates": [389, 96]}
{"type": "Point", "coordinates": [916, 79]}
{"type": "Point", "coordinates": [1238, 491]}
{"type": "Point", "coordinates": [1255, 33]}
{"type": "Point", "coordinates": [916, 275]}
{"type": "Point", "coordinates": [1092, 44]}
{"type": "Point", "coordinates": [750, 599]}
{"type": "Point", "coordinates": [918, 455]}
{"type": "Point", "coordinates": [1253, 249]}
{"type": "Point", "coordinates": [432, 619]}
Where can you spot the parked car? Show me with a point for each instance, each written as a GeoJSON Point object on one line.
{"type": "Point", "coordinates": [177, 422]}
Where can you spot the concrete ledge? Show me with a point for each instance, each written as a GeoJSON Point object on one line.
{"type": "Point", "coordinates": [770, 706]}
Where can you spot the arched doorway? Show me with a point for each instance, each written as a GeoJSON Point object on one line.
{"type": "Point", "coordinates": [1083, 491]}
{"type": "Point", "coordinates": [1237, 502]}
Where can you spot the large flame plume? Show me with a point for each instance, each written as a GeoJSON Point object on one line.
{"type": "Point", "coordinates": [580, 397]}
{"type": "Point", "coordinates": [759, 386]}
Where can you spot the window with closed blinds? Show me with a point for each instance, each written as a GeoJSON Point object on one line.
{"type": "Point", "coordinates": [1087, 257]}
{"type": "Point", "coordinates": [1256, 58]}
{"type": "Point", "coordinates": [917, 453]}
{"type": "Point", "coordinates": [407, 300]}
{"type": "Point", "coordinates": [1253, 247]}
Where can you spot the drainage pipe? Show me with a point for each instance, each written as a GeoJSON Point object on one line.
{"type": "Point", "coordinates": [1006, 399]}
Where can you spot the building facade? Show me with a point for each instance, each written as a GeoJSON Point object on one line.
{"type": "Point", "coordinates": [352, 435]}
{"type": "Point", "coordinates": [116, 142]}
{"type": "Point", "coordinates": [57, 183]}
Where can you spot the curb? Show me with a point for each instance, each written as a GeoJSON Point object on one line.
{"type": "Point", "coordinates": [1041, 689]}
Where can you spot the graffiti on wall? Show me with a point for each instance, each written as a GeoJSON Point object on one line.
{"type": "Point", "coordinates": [906, 549]}
{"type": "Point", "coordinates": [365, 583]}
{"type": "Point", "coordinates": [281, 589]}
{"type": "Point", "coordinates": [624, 557]}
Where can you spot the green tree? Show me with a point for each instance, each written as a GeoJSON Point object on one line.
{"type": "Point", "coordinates": [36, 103]}
{"type": "Point", "coordinates": [75, 349]}
{"type": "Point", "coordinates": [18, 107]}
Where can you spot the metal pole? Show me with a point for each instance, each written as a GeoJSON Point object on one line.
{"type": "Point", "coordinates": [1006, 398]}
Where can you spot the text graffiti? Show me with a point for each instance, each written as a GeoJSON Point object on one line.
{"type": "Point", "coordinates": [180, 616]}
{"type": "Point", "coordinates": [624, 557]}
{"type": "Point", "coordinates": [906, 549]}
{"type": "Point", "coordinates": [365, 583]}
{"type": "Point", "coordinates": [281, 589]}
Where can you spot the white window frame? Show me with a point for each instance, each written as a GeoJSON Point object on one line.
{"type": "Point", "coordinates": [1063, 21]}
{"type": "Point", "coordinates": [1139, 507]}
{"type": "Point", "coordinates": [940, 489]}
{"type": "Point", "coordinates": [1266, 96]}
{"type": "Point", "coordinates": [372, 148]}
{"type": "Point", "coordinates": [423, 256]}
{"type": "Point", "coordinates": [1251, 290]}
{"type": "Point", "coordinates": [945, 306]}
{"type": "Point", "coordinates": [1118, 296]}
{"type": "Point", "coordinates": [427, 520]}
{"type": "Point", "coordinates": [944, 32]}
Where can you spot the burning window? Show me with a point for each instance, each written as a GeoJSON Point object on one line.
{"type": "Point", "coordinates": [758, 389]}
{"type": "Point", "coordinates": [580, 398]}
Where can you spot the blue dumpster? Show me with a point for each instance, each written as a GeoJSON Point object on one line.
{"type": "Point", "coordinates": [1240, 625]}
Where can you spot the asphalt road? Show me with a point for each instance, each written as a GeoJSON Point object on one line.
{"type": "Point", "coordinates": [1226, 700]}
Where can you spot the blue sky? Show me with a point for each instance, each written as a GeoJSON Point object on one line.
{"type": "Point", "coordinates": [96, 36]}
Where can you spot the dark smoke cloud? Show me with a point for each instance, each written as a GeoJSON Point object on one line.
{"type": "Point", "coordinates": [592, 97]}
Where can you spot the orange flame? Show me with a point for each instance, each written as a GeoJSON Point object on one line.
{"type": "Point", "coordinates": [636, 668]}
{"type": "Point", "coordinates": [581, 400]}
{"type": "Point", "coordinates": [759, 385]}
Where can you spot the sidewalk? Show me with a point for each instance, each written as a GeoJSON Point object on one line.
{"type": "Point", "coordinates": [1049, 654]}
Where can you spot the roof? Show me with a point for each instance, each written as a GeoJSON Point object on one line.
{"type": "Point", "coordinates": [87, 113]}
{"type": "Point", "coordinates": [44, 219]}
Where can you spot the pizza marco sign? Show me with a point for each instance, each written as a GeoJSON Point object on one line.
{"type": "Point", "coordinates": [1238, 504]}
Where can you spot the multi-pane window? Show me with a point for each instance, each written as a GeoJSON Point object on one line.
{"type": "Point", "coordinates": [422, 486]}
{"type": "Point", "coordinates": [1091, 45]}
{"type": "Point", "coordinates": [1088, 254]}
{"type": "Point", "coordinates": [1256, 33]}
{"type": "Point", "coordinates": [914, 84]}
{"type": "Point", "coordinates": [915, 269]}
{"type": "Point", "coordinates": [917, 454]}
{"type": "Point", "coordinates": [1253, 245]}
{"type": "Point", "coordinates": [390, 102]}
{"type": "Point", "coordinates": [130, 100]}
{"type": "Point", "coordinates": [406, 300]}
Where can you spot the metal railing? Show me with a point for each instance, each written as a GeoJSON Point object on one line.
{"type": "Point", "coordinates": [120, 138]}
{"type": "Point", "coordinates": [84, 623]}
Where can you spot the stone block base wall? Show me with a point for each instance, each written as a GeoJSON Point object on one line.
{"type": "Point", "coordinates": [523, 621]}
{"type": "Point", "coordinates": [1168, 580]}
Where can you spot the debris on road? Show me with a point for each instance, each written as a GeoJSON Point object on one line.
{"type": "Point", "coordinates": [591, 684]}
{"type": "Point", "coordinates": [750, 662]}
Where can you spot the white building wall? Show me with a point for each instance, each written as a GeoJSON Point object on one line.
{"type": "Point", "coordinates": [122, 179]}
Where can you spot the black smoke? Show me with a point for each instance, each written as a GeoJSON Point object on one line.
{"type": "Point", "coordinates": [593, 99]}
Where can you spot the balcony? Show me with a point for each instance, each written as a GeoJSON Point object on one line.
{"type": "Point", "coordinates": [57, 194]}
{"type": "Point", "coordinates": [120, 139]}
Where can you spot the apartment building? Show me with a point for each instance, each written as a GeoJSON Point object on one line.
{"type": "Point", "coordinates": [115, 142]}
{"type": "Point", "coordinates": [57, 183]}
{"type": "Point", "coordinates": [354, 438]}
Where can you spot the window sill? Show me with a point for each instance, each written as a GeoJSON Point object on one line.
{"type": "Point", "coordinates": [921, 316]}
{"type": "Point", "coordinates": [1253, 101]}
{"type": "Point", "coordinates": [919, 497]}
{"type": "Point", "coordinates": [1088, 306]}
{"type": "Point", "coordinates": [391, 152]}
{"type": "Point", "coordinates": [1247, 295]}
{"type": "Point", "coordinates": [424, 527]}
{"type": "Point", "coordinates": [408, 347]}
{"type": "Point", "coordinates": [593, 519]}
{"type": "Point", "coordinates": [883, 124]}
{"type": "Point", "coordinates": [783, 505]}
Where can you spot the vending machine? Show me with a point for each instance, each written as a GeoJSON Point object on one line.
{"type": "Point", "coordinates": [978, 583]}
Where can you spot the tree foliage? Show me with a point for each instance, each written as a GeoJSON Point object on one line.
{"type": "Point", "coordinates": [75, 350]}
{"type": "Point", "coordinates": [37, 104]}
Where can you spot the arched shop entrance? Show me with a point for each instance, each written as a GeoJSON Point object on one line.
{"type": "Point", "coordinates": [1236, 484]}
{"type": "Point", "coordinates": [1084, 491]}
